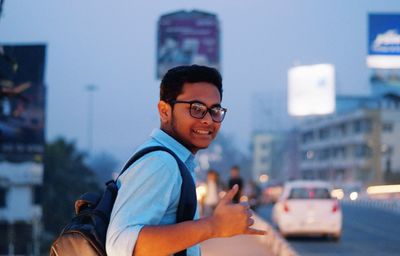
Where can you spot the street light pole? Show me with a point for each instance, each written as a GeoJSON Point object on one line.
{"type": "Point", "coordinates": [91, 89]}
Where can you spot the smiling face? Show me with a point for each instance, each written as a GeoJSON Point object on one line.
{"type": "Point", "coordinates": [176, 120]}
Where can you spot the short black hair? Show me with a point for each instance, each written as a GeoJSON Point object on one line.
{"type": "Point", "coordinates": [173, 81]}
{"type": "Point", "coordinates": [235, 167]}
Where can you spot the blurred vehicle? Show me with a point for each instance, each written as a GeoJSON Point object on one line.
{"type": "Point", "coordinates": [307, 208]}
{"type": "Point", "coordinates": [251, 194]}
{"type": "Point", "coordinates": [352, 191]}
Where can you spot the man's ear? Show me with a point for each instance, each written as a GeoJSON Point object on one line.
{"type": "Point", "coordinates": [165, 111]}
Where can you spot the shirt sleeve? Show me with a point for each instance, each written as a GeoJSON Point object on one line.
{"type": "Point", "coordinates": [148, 189]}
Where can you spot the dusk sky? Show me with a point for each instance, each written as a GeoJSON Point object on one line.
{"type": "Point", "coordinates": [112, 44]}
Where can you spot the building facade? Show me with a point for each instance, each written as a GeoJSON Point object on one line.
{"type": "Point", "coordinates": [359, 144]}
{"type": "Point", "coordinates": [20, 209]}
{"type": "Point", "coordinates": [275, 155]}
{"type": "Point", "coordinates": [22, 123]}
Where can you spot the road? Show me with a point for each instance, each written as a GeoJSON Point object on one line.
{"type": "Point", "coordinates": [366, 231]}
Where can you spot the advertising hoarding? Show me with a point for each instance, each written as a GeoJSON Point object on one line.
{"type": "Point", "coordinates": [384, 41]}
{"type": "Point", "coordinates": [186, 38]}
{"type": "Point", "coordinates": [311, 90]}
{"type": "Point", "coordinates": [22, 102]}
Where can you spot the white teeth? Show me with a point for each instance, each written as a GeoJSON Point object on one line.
{"type": "Point", "coordinates": [202, 132]}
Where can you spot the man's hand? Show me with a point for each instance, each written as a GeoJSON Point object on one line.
{"type": "Point", "coordinates": [231, 219]}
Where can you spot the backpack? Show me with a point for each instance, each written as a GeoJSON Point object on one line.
{"type": "Point", "coordinates": [86, 233]}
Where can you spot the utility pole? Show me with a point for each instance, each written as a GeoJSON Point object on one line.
{"type": "Point", "coordinates": [91, 89]}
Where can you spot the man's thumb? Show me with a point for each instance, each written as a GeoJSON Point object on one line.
{"type": "Point", "coordinates": [230, 194]}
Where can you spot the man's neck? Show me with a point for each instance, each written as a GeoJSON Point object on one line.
{"type": "Point", "coordinates": [172, 134]}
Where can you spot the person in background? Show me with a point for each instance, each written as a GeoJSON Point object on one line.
{"type": "Point", "coordinates": [211, 197]}
{"type": "Point", "coordinates": [235, 179]}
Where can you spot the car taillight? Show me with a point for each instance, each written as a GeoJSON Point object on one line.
{"type": "Point", "coordinates": [335, 206]}
{"type": "Point", "coordinates": [285, 207]}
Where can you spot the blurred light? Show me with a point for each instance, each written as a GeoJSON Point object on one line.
{"type": "Point", "coordinates": [263, 178]}
{"type": "Point", "coordinates": [244, 199]}
{"type": "Point", "coordinates": [204, 161]}
{"type": "Point", "coordinates": [311, 90]}
{"type": "Point", "coordinates": [383, 61]}
{"type": "Point", "coordinates": [384, 148]}
{"type": "Point", "coordinates": [383, 189]}
{"type": "Point", "coordinates": [310, 154]}
{"type": "Point", "coordinates": [201, 191]}
{"type": "Point", "coordinates": [218, 149]}
{"type": "Point", "coordinates": [286, 206]}
{"type": "Point", "coordinates": [353, 196]}
{"type": "Point", "coordinates": [336, 206]}
{"type": "Point", "coordinates": [337, 193]}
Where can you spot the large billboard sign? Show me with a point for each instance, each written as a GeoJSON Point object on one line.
{"type": "Point", "coordinates": [311, 90]}
{"type": "Point", "coordinates": [22, 102]}
{"type": "Point", "coordinates": [384, 41]}
{"type": "Point", "coordinates": [186, 38]}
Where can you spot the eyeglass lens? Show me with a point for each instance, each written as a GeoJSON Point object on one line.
{"type": "Point", "coordinates": [199, 110]}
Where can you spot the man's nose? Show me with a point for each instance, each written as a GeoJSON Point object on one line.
{"type": "Point", "coordinates": [207, 119]}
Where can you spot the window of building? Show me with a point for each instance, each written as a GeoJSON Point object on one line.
{"type": "Point", "coordinates": [323, 133]}
{"type": "Point", "coordinates": [23, 245]}
{"type": "Point", "coordinates": [324, 154]}
{"type": "Point", "coordinates": [357, 126]}
{"type": "Point", "coordinates": [367, 125]}
{"type": "Point", "coordinates": [387, 127]}
{"type": "Point", "coordinates": [265, 146]}
{"type": "Point", "coordinates": [307, 137]}
{"type": "Point", "coordinates": [303, 155]}
{"type": "Point", "coordinates": [4, 233]}
{"type": "Point", "coordinates": [362, 151]}
{"type": "Point", "coordinates": [334, 152]}
{"type": "Point", "coordinates": [264, 159]}
{"type": "Point", "coordinates": [3, 194]}
{"type": "Point", "coordinates": [342, 130]}
{"type": "Point", "coordinates": [341, 152]}
{"type": "Point", "coordinates": [37, 197]}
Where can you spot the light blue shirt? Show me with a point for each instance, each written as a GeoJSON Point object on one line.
{"type": "Point", "coordinates": [148, 194]}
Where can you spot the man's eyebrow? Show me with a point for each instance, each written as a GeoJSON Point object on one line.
{"type": "Point", "coordinates": [216, 105]}
{"type": "Point", "coordinates": [213, 105]}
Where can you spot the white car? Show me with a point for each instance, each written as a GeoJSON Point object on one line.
{"type": "Point", "coordinates": [307, 208]}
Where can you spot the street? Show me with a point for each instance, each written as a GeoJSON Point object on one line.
{"type": "Point", "coordinates": [366, 231]}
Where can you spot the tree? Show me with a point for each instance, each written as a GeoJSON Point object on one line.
{"type": "Point", "coordinates": [66, 177]}
{"type": "Point", "coordinates": [103, 166]}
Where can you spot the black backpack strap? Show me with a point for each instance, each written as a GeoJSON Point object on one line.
{"type": "Point", "coordinates": [188, 200]}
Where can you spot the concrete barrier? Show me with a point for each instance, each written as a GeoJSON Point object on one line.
{"type": "Point", "coordinates": [276, 244]}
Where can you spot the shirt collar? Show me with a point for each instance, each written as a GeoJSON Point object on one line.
{"type": "Point", "coordinates": [181, 151]}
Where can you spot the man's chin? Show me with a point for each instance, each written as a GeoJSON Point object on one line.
{"type": "Point", "coordinates": [202, 145]}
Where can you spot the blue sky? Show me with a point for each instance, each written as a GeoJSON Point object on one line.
{"type": "Point", "coordinates": [113, 44]}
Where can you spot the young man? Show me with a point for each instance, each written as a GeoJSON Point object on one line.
{"type": "Point", "coordinates": [143, 218]}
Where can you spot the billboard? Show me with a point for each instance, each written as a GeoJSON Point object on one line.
{"type": "Point", "coordinates": [311, 90]}
{"type": "Point", "coordinates": [187, 38]}
{"type": "Point", "coordinates": [22, 102]}
{"type": "Point", "coordinates": [384, 41]}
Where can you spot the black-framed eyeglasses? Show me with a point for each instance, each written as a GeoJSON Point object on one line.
{"type": "Point", "coordinates": [199, 110]}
